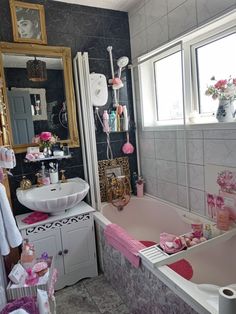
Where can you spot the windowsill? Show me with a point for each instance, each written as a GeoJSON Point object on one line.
{"type": "Point", "coordinates": [199, 125]}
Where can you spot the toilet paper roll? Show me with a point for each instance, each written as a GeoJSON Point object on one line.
{"type": "Point", "coordinates": [227, 300]}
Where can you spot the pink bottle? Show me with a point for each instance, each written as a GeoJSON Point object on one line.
{"type": "Point", "coordinates": [223, 220]}
{"type": "Point", "coordinates": [139, 187]}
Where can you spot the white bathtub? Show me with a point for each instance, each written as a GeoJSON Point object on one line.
{"type": "Point", "coordinates": [145, 218]}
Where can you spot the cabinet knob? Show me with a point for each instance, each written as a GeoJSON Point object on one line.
{"type": "Point", "coordinates": [65, 251]}
{"type": "Point", "coordinates": [60, 253]}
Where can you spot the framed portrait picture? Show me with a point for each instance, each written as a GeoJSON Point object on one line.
{"type": "Point", "coordinates": [28, 22]}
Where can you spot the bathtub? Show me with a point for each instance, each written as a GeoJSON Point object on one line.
{"type": "Point", "coordinates": [145, 218]}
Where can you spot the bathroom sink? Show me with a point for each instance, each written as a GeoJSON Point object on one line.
{"type": "Point", "coordinates": [54, 198]}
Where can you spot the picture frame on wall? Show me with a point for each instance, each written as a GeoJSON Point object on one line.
{"type": "Point", "coordinates": [28, 22]}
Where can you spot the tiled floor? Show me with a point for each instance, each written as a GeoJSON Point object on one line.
{"type": "Point", "coordinates": [90, 296]}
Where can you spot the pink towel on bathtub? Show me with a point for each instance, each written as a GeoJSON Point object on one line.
{"type": "Point", "coordinates": [123, 242]}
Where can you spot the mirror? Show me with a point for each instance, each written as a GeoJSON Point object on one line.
{"type": "Point", "coordinates": [114, 167]}
{"type": "Point", "coordinates": [39, 98]}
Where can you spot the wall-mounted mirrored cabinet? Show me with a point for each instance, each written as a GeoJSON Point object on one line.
{"type": "Point", "coordinates": [38, 93]}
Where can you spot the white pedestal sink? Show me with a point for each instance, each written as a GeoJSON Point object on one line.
{"type": "Point", "coordinates": [54, 198]}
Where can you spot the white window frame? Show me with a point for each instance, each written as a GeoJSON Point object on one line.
{"type": "Point", "coordinates": [221, 27]}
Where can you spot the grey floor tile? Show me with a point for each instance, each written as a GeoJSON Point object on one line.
{"type": "Point", "coordinates": [90, 296]}
{"type": "Point", "coordinates": [75, 300]}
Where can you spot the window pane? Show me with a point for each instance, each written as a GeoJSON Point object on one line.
{"type": "Point", "coordinates": [214, 59]}
{"type": "Point", "coordinates": [168, 72]}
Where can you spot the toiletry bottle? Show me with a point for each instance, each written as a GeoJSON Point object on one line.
{"type": "Point", "coordinates": [223, 221]}
{"type": "Point", "coordinates": [27, 258]}
{"type": "Point", "coordinates": [44, 175]}
{"type": "Point", "coordinates": [117, 121]}
{"type": "Point", "coordinates": [105, 120]}
{"type": "Point", "coordinates": [133, 182]}
{"type": "Point", "coordinates": [139, 186]}
{"type": "Point", "coordinates": [112, 121]}
{"type": "Point", "coordinates": [125, 121]}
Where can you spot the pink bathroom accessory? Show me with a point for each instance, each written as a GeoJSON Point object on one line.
{"type": "Point", "coordinates": [127, 148]}
{"type": "Point", "coordinates": [35, 217]}
{"type": "Point", "coordinates": [123, 242]}
{"type": "Point", "coordinates": [171, 243]}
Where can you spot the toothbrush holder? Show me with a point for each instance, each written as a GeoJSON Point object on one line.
{"type": "Point", "coordinates": [54, 178]}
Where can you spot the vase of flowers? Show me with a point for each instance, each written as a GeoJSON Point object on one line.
{"type": "Point", "coordinates": [45, 140]}
{"type": "Point", "coordinates": [225, 91]}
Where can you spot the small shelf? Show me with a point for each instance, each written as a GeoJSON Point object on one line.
{"type": "Point", "coordinates": [49, 158]}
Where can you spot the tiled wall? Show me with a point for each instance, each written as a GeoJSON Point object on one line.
{"type": "Point", "coordinates": [174, 162]}
{"type": "Point", "coordinates": [88, 29]}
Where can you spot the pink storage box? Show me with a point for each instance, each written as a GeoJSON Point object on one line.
{"type": "Point", "coordinates": [14, 292]}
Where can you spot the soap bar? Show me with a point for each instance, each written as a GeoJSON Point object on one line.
{"type": "Point", "coordinates": [17, 274]}
{"type": "Point", "coordinates": [33, 150]}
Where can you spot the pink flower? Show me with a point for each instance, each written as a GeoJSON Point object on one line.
{"type": "Point", "coordinates": [220, 84]}
{"type": "Point", "coordinates": [234, 81]}
{"type": "Point", "coordinates": [36, 139]}
{"type": "Point", "coordinates": [45, 136]}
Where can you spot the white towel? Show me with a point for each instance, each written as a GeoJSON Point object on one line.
{"type": "Point", "coordinates": [7, 158]}
{"type": "Point", "coordinates": [9, 233]}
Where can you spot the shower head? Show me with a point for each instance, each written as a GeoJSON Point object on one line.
{"type": "Point", "coordinates": [122, 62]}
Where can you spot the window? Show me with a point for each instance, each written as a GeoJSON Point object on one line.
{"type": "Point", "coordinates": [169, 91]}
{"type": "Point", "coordinates": [173, 79]}
{"type": "Point", "coordinates": [215, 58]}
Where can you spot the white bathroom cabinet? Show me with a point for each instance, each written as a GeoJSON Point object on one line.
{"type": "Point", "coordinates": [69, 237]}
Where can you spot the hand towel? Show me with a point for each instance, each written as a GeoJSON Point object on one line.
{"type": "Point", "coordinates": [10, 234]}
{"type": "Point", "coordinates": [123, 242]}
{"type": "Point", "coordinates": [7, 158]}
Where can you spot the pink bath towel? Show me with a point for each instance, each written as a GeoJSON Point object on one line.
{"type": "Point", "coordinates": [123, 242]}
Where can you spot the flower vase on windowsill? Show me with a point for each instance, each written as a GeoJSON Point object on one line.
{"type": "Point", "coordinates": [225, 111]}
{"type": "Point", "coordinates": [225, 91]}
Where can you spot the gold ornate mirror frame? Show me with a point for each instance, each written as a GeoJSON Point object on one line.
{"type": "Point", "coordinates": [48, 51]}
{"type": "Point", "coordinates": [118, 167]}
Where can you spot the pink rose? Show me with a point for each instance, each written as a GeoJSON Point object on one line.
{"type": "Point", "coordinates": [45, 136]}
{"type": "Point", "coordinates": [221, 84]}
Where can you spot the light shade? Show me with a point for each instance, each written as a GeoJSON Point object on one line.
{"type": "Point", "coordinates": [36, 70]}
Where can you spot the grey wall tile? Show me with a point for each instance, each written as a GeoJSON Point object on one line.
{"type": "Point", "coordinates": [196, 177]}
{"type": "Point", "coordinates": [167, 191]}
{"type": "Point", "coordinates": [220, 134]}
{"type": "Point", "coordinates": [197, 201]}
{"type": "Point", "coordinates": [150, 186]}
{"type": "Point", "coordinates": [195, 151]}
{"type": "Point", "coordinates": [207, 9]}
{"type": "Point", "coordinates": [220, 152]}
{"type": "Point", "coordinates": [157, 33]}
{"type": "Point", "coordinates": [182, 174]}
{"type": "Point", "coordinates": [137, 21]}
{"type": "Point", "coordinates": [147, 148]}
{"type": "Point", "coordinates": [181, 150]}
{"type": "Point", "coordinates": [139, 44]}
{"type": "Point", "coordinates": [182, 196]}
{"type": "Point", "coordinates": [165, 149]}
{"type": "Point", "coordinates": [154, 10]}
{"type": "Point", "coordinates": [172, 4]}
{"type": "Point", "coordinates": [166, 171]}
{"type": "Point", "coordinates": [182, 19]}
{"type": "Point", "coordinates": [149, 168]}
